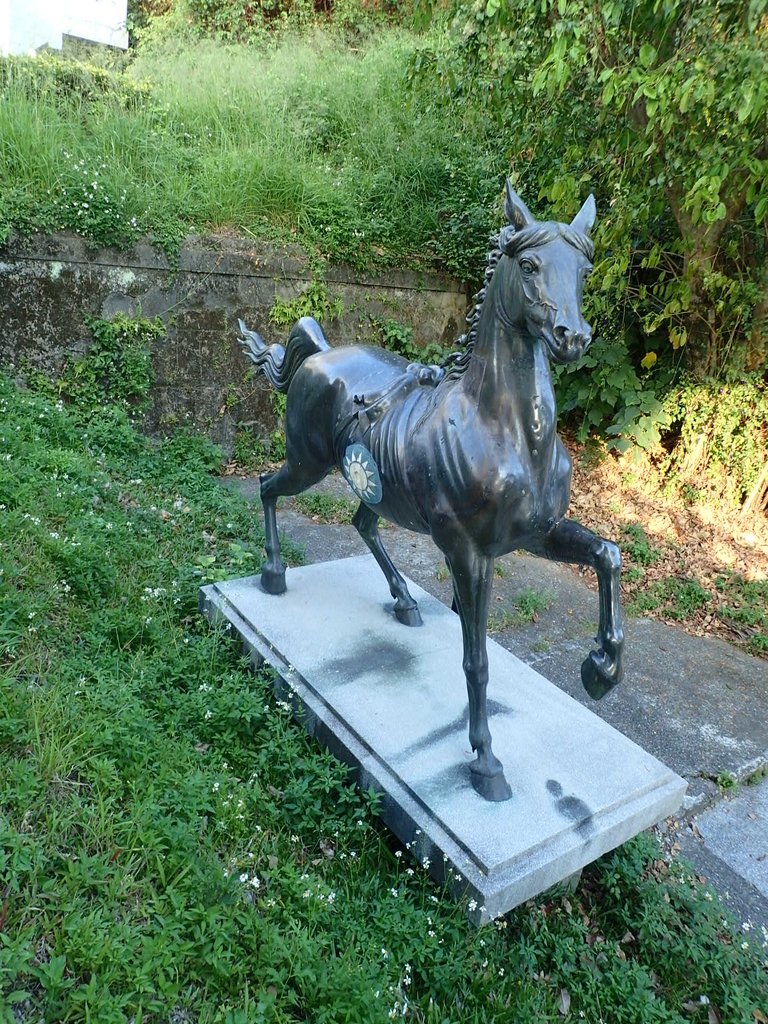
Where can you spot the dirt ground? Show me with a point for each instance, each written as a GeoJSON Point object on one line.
{"type": "Point", "coordinates": [701, 541]}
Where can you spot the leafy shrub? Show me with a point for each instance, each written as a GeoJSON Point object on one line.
{"type": "Point", "coordinates": [604, 393]}
{"type": "Point", "coordinates": [660, 110]}
{"type": "Point", "coordinates": [249, 20]}
{"type": "Point", "coordinates": [718, 434]}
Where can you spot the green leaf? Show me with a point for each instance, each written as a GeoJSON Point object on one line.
{"type": "Point", "coordinates": [745, 108]}
{"type": "Point", "coordinates": [647, 54]}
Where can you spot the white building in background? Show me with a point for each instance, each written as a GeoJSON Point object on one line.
{"type": "Point", "coordinates": [26, 25]}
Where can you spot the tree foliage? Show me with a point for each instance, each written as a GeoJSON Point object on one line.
{"type": "Point", "coordinates": [660, 107]}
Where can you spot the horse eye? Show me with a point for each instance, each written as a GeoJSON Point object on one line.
{"type": "Point", "coordinates": [527, 266]}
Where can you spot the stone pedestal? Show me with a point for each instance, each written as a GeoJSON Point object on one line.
{"type": "Point", "coordinates": [391, 701]}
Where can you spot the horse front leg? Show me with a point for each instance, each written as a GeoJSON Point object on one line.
{"type": "Point", "coordinates": [472, 578]}
{"type": "Point", "coordinates": [406, 610]}
{"type": "Point", "coordinates": [570, 542]}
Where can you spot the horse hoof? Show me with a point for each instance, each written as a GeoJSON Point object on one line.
{"type": "Point", "coordinates": [272, 582]}
{"type": "Point", "coordinates": [596, 682]}
{"type": "Point", "coordinates": [408, 616]}
{"type": "Point", "coordinates": [491, 787]}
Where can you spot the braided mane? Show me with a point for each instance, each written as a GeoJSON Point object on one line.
{"type": "Point", "coordinates": [455, 363]}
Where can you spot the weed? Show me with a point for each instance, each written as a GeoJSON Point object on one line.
{"type": "Point", "coordinates": [726, 782]}
{"type": "Point", "coordinates": [313, 301]}
{"type": "Point", "coordinates": [636, 544]}
{"type": "Point", "coordinates": [326, 509]}
{"type": "Point", "coordinates": [690, 495]}
{"type": "Point", "coordinates": [296, 140]}
{"type": "Point", "coordinates": [670, 597]}
{"type": "Point", "coordinates": [116, 369]}
{"type": "Point", "coordinates": [249, 452]}
{"type": "Point", "coordinates": [745, 604]}
{"type": "Point", "coordinates": [398, 338]}
{"type": "Point", "coordinates": [277, 438]}
{"type": "Point", "coordinates": [528, 606]}
{"type": "Point", "coordinates": [757, 776]}
{"type": "Point", "coordinates": [531, 602]}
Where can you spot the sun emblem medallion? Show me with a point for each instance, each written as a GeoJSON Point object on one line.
{"type": "Point", "coordinates": [362, 474]}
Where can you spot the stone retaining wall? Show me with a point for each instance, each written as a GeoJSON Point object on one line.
{"type": "Point", "coordinates": [50, 284]}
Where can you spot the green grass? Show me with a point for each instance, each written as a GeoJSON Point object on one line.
{"type": "Point", "coordinates": [326, 508]}
{"type": "Point", "coordinates": [741, 604]}
{"type": "Point", "coordinates": [528, 606]}
{"type": "Point", "coordinates": [302, 140]}
{"type": "Point", "coordinates": [634, 542]}
{"type": "Point", "coordinates": [173, 847]}
{"type": "Point", "coordinates": [670, 597]}
{"type": "Point", "coordinates": [745, 606]}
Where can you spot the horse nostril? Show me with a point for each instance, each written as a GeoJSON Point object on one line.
{"type": "Point", "coordinates": [569, 339]}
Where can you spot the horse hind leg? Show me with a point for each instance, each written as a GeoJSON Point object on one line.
{"type": "Point", "coordinates": [285, 481]}
{"type": "Point", "coordinates": [406, 609]}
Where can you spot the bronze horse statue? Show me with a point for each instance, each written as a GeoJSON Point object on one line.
{"type": "Point", "coordinates": [467, 452]}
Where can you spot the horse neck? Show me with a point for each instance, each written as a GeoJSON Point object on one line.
{"type": "Point", "coordinates": [509, 376]}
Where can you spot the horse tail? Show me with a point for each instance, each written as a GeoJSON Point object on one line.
{"type": "Point", "coordinates": [279, 363]}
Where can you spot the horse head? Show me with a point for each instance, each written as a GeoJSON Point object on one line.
{"type": "Point", "coordinates": [549, 263]}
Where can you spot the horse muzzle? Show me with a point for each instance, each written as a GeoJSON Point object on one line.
{"type": "Point", "coordinates": [567, 345]}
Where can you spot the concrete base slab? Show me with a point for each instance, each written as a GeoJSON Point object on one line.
{"type": "Point", "coordinates": [391, 701]}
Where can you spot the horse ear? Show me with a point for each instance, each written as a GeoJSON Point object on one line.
{"type": "Point", "coordinates": [585, 218]}
{"type": "Point", "coordinates": [515, 210]}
